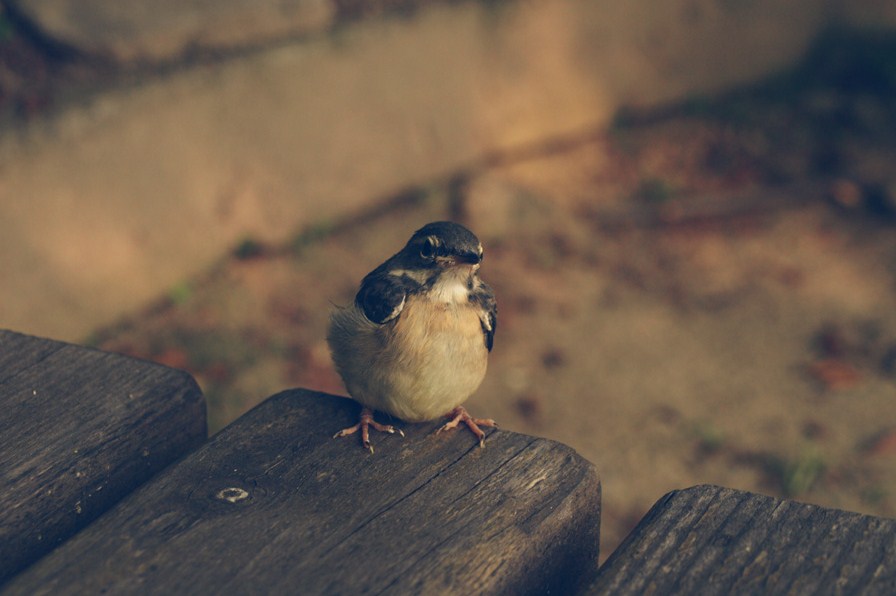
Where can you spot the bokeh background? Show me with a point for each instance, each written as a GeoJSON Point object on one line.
{"type": "Point", "coordinates": [688, 210]}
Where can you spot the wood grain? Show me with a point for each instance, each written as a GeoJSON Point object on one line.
{"type": "Point", "coordinates": [79, 429]}
{"type": "Point", "coordinates": [274, 504]}
{"type": "Point", "coordinates": [713, 540]}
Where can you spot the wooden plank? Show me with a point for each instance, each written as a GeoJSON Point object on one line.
{"type": "Point", "coordinates": [79, 429]}
{"type": "Point", "coordinates": [274, 504]}
{"type": "Point", "coordinates": [19, 352]}
{"type": "Point", "coordinates": [713, 540]}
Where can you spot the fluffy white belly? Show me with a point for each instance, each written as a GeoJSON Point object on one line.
{"type": "Point", "coordinates": [419, 366]}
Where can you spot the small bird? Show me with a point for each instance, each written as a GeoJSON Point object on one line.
{"type": "Point", "coordinates": [415, 343]}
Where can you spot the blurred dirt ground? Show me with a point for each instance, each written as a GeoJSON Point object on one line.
{"type": "Point", "coordinates": [703, 295]}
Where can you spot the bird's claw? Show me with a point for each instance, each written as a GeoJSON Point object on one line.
{"type": "Point", "coordinates": [460, 414]}
{"type": "Point", "coordinates": [364, 425]}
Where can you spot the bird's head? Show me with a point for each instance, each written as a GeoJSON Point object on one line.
{"type": "Point", "coordinates": [443, 245]}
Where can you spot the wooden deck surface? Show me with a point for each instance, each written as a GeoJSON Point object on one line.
{"type": "Point", "coordinates": [714, 540]}
{"type": "Point", "coordinates": [274, 504]}
{"type": "Point", "coordinates": [80, 429]}
{"type": "Point", "coordinates": [102, 461]}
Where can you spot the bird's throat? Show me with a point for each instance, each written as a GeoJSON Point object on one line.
{"type": "Point", "coordinates": [453, 286]}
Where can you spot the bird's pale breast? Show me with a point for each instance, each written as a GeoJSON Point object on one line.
{"type": "Point", "coordinates": [417, 367]}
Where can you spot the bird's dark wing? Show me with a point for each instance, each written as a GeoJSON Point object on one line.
{"type": "Point", "coordinates": [382, 295]}
{"type": "Point", "coordinates": [488, 315]}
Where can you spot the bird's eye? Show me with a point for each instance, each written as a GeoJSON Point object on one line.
{"type": "Point", "coordinates": [428, 248]}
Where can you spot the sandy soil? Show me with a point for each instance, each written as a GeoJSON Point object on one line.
{"type": "Point", "coordinates": [701, 296]}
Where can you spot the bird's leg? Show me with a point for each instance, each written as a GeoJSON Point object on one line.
{"type": "Point", "coordinates": [459, 414]}
{"type": "Point", "coordinates": [366, 421]}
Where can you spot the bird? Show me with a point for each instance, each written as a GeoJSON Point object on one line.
{"type": "Point", "coordinates": [415, 342]}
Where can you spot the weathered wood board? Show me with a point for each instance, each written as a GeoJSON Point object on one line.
{"type": "Point", "coordinates": [713, 540]}
{"type": "Point", "coordinates": [79, 429]}
{"type": "Point", "coordinates": [274, 504]}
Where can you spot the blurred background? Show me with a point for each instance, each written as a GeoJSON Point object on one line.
{"type": "Point", "coordinates": [688, 210]}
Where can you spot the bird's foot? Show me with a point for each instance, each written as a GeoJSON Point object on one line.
{"type": "Point", "coordinates": [460, 414]}
{"type": "Point", "coordinates": [363, 425]}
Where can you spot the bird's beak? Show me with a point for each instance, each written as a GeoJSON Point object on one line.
{"type": "Point", "coordinates": [467, 258]}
